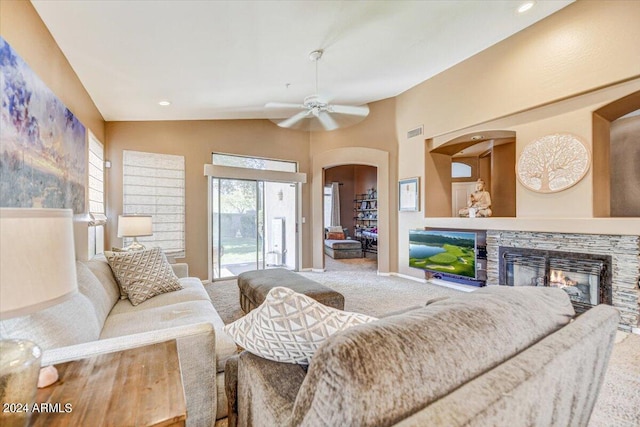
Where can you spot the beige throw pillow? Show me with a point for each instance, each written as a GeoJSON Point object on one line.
{"type": "Point", "coordinates": [143, 274]}
{"type": "Point", "coordinates": [107, 254]}
{"type": "Point", "coordinates": [289, 327]}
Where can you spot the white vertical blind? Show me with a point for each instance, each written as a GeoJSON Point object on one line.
{"type": "Point", "coordinates": [154, 184]}
{"type": "Point", "coordinates": [96, 175]}
{"type": "Point", "coordinates": [327, 207]}
{"type": "Point", "coordinates": [335, 204]}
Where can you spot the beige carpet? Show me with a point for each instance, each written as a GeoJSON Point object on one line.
{"type": "Point", "coordinates": [365, 292]}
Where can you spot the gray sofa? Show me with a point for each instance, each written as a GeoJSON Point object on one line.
{"type": "Point", "coordinates": [97, 321]}
{"type": "Point", "coordinates": [500, 356]}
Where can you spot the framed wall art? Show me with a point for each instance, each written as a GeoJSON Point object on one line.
{"type": "Point", "coordinates": [43, 163]}
{"type": "Point", "coordinates": [409, 194]}
{"type": "Point", "coordinates": [553, 163]}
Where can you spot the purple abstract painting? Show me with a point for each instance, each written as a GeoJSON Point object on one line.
{"type": "Point", "coordinates": [43, 157]}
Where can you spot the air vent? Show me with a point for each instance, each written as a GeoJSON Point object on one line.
{"type": "Point", "coordinates": [415, 132]}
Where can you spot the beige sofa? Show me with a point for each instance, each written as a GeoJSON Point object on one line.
{"type": "Point", "coordinates": [500, 356]}
{"type": "Point", "coordinates": [97, 321]}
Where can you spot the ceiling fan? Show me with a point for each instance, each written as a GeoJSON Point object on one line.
{"type": "Point", "coordinates": [317, 113]}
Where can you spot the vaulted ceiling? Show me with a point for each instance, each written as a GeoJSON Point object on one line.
{"type": "Point", "coordinates": [227, 59]}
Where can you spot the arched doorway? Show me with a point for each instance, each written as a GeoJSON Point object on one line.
{"type": "Point", "coordinates": [344, 156]}
{"type": "Point", "coordinates": [350, 207]}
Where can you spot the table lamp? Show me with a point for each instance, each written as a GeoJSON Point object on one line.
{"type": "Point", "coordinates": [37, 271]}
{"type": "Point", "coordinates": [135, 226]}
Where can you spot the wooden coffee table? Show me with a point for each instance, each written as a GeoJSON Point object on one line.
{"type": "Point", "coordinates": [137, 387]}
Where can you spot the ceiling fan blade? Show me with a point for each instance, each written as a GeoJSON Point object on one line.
{"type": "Point", "coordinates": [284, 105]}
{"type": "Point", "coordinates": [352, 110]}
{"type": "Point", "coordinates": [291, 121]}
{"type": "Point", "coordinates": [327, 122]}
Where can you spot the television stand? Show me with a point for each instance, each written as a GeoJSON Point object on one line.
{"type": "Point", "coordinates": [444, 277]}
{"type": "Point", "coordinates": [452, 285]}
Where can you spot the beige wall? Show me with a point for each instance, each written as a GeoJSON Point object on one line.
{"type": "Point", "coordinates": [435, 188]}
{"type": "Point", "coordinates": [574, 116]}
{"type": "Point", "coordinates": [548, 78]}
{"type": "Point", "coordinates": [625, 167]}
{"type": "Point", "coordinates": [22, 28]}
{"type": "Point", "coordinates": [339, 147]}
{"type": "Point", "coordinates": [502, 180]}
{"type": "Point", "coordinates": [196, 140]}
{"type": "Point", "coordinates": [587, 45]}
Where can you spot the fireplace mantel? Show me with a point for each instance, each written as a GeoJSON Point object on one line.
{"type": "Point", "coordinates": [612, 226]}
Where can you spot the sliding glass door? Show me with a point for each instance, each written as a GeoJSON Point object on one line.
{"type": "Point", "coordinates": [280, 200]}
{"type": "Point", "coordinates": [253, 226]}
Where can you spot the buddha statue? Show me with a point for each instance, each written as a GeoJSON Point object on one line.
{"type": "Point", "coordinates": [479, 203]}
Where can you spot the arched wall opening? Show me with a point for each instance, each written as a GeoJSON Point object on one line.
{"type": "Point", "coordinates": [345, 156]}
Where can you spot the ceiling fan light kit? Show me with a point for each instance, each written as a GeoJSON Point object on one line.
{"type": "Point", "coordinates": [318, 114]}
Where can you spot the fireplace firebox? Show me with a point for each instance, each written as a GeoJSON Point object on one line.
{"type": "Point", "coordinates": [585, 277]}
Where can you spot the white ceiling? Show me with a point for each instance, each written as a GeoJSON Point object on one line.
{"type": "Point", "coordinates": [226, 59]}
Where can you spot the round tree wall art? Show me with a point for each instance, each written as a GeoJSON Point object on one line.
{"type": "Point", "coordinates": [553, 163]}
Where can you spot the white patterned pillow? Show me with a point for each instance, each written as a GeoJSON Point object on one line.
{"type": "Point", "coordinates": [289, 327]}
{"type": "Point", "coordinates": [143, 274]}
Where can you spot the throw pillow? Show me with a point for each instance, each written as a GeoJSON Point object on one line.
{"type": "Point", "coordinates": [335, 236]}
{"type": "Point", "coordinates": [107, 254]}
{"type": "Point", "coordinates": [335, 229]}
{"type": "Point", "coordinates": [289, 327]}
{"type": "Point", "coordinates": [143, 274]}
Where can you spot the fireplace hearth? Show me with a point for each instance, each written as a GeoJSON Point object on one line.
{"type": "Point", "coordinates": [585, 277]}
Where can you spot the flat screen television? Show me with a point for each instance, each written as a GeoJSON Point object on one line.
{"type": "Point", "coordinates": [444, 253]}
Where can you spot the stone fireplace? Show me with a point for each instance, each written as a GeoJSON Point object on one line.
{"type": "Point", "coordinates": [592, 268]}
{"type": "Point", "coordinates": [584, 277]}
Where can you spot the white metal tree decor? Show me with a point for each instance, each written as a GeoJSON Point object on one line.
{"type": "Point", "coordinates": [553, 163]}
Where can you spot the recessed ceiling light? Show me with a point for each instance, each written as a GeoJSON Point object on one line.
{"type": "Point", "coordinates": [525, 6]}
{"type": "Point", "coordinates": [476, 137]}
{"type": "Point", "coordinates": [164, 103]}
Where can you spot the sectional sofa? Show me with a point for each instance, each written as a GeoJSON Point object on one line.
{"type": "Point", "coordinates": [500, 356]}
{"type": "Point", "coordinates": [96, 321]}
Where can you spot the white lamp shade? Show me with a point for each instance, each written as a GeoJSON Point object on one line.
{"type": "Point", "coordinates": [134, 225]}
{"type": "Point", "coordinates": [37, 259]}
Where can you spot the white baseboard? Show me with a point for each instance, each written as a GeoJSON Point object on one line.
{"type": "Point", "coordinates": [383, 274]}
{"type": "Point", "coordinates": [318, 270]}
{"type": "Point", "coordinates": [635, 331]}
{"type": "Point", "coordinates": [406, 276]}
{"type": "Point", "coordinates": [452, 285]}
{"type": "Point", "coordinates": [308, 269]}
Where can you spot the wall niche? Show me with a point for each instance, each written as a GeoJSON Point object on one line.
{"type": "Point", "coordinates": [616, 155]}
{"type": "Point", "coordinates": [491, 157]}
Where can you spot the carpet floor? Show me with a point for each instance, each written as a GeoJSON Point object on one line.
{"type": "Point", "coordinates": [365, 292]}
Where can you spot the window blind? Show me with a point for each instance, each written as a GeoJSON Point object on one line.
{"type": "Point", "coordinates": [154, 184]}
{"type": "Point", "coordinates": [96, 176]}
{"type": "Point", "coordinates": [328, 197]}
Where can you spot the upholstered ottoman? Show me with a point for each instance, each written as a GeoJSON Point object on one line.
{"type": "Point", "coordinates": [255, 285]}
{"type": "Point", "coordinates": [343, 249]}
